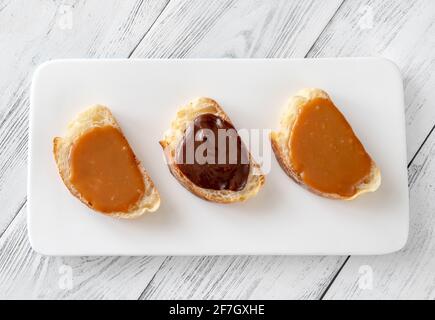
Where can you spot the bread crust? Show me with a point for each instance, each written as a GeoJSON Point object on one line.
{"type": "Point", "coordinates": [172, 137]}
{"type": "Point", "coordinates": [98, 116]}
{"type": "Point", "coordinates": [279, 141]}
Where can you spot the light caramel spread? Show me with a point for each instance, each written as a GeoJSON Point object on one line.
{"type": "Point", "coordinates": [104, 170]}
{"type": "Point", "coordinates": [325, 152]}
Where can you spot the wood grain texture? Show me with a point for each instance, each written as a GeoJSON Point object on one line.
{"type": "Point", "coordinates": [25, 274]}
{"type": "Point", "coordinates": [236, 29]}
{"type": "Point", "coordinates": [403, 31]}
{"type": "Point", "coordinates": [257, 277]}
{"type": "Point", "coordinates": [229, 29]}
{"type": "Point", "coordinates": [33, 34]}
{"type": "Point", "coordinates": [30, 35]}
{"type": "Point", "coordinates": [410, 273]}
{"type": "Point", "coordinates": [314, 272]}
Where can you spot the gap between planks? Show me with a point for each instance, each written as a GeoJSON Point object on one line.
{"type": "Point", "coordinates": [131, 53]}
{"type": "Point", "coordinates": [307, 53]}
{"type": "Point", "coordinates": [326, 26]}
{"type": "Point", "coordinates": [148, 30]}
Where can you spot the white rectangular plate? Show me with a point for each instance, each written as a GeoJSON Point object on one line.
{"type": "Point", "coordinates": [282, 219]}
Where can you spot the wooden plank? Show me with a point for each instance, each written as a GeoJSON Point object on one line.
{"type": "Point", "coordinates": [239, 30]}
{"type": "Point", "coordinates": [31, 34]}
{"type": "Point", "coordinates": [316, 271]}
{"type": "Point", "coordinates": [409, 273]}
{"type": "Point", "coordinates": [34, 32]}
{"type": "Point", "coordinates": [257, 277]}
{"type": "Point", "coordinates": [25, 274]}
{"type": "Point", "coordinates": [402, 31]}
{"type": "Point", "coordinates": [236, 29]}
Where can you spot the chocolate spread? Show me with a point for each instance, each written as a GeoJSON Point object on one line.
{"type": "Point", "coordinates": [212, 155]}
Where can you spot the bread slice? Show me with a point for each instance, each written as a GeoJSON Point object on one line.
{"type": "Point", "coordinates": [280, 144]}
{"type": "Point", "coordinates": [173, 136]}
{"type": "Point", "coordinates": [99, 116]}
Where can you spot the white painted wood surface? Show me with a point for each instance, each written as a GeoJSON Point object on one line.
{"type": "Point", "coordinates": [403, 31]}
{"type": "Point", "coordinates": [30, 35]}
{"type": "Point", "coordinates": [26, 275]}
{"type": "Point", "coordinates": [33, 32]}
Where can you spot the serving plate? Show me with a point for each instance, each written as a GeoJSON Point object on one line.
{"type": "Point", "coordinates": [282, 219]}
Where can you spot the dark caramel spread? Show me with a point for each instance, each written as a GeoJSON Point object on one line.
{"type": "Point", "coordinates": [104, 170]}
{"type": "Point", "coordinates": [325, 152]}
{"type": "Point", "coordinates": [212, 155]}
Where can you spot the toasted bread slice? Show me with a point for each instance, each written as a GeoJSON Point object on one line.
{"type": "Point", "coordinates": [99, 116]}
{"type": "Point", "coordinates": [173, 136]}
{"type": "Point", "coordinates": [281, 146]}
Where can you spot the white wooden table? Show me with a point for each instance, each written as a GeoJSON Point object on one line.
{"type": "Point", "coordinates": [35, 31]}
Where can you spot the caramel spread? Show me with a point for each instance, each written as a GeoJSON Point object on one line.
{"type": "Point", "coordinates": [104, 170]}
{"type": "Point", "coordinates": [212, 155]}
{"type": "Point", "coordinates": [325, 152]}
